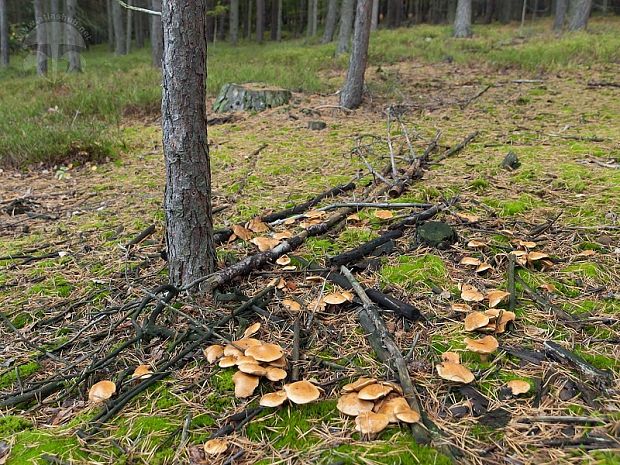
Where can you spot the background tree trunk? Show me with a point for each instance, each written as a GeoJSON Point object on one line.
{"type": "Point", "coordinates": [505, 11]}
{"type": "Point", "coordinates": [4, 35]}
{"type": "Point", "coordinates": [451, 11]}
{"type": "Point", "coordinates": [248, 22]}
{"type": "Point", "coordinates": [279, 22]}
{"type": "Point", "coordinates": [462, 22]}
{"type": "Point", "coordinates": [394, 13]}
{"type": "Point", "coordinates": [157, 40]}
{"type": "Point", "coordinates": [54, 32]}
{"type": "Point", "coordinates": [330, 22]}
{"type": "Point", "coordinates": [41, 38]}
{"type": "Point", "coordinates": [260, 20]}
{"type": "Point", "coordinates": [580, 13]}
{"type": "Point", "coordinates": [560, 14]}
{"type": "Point", "coordinates": [120, 41]}
{"type": "Point", "coordinates": [374, 20]}
{"type": "Point", "coordinates": [489, 11]}
{"type": "Point", "coordinates": [139, 26]}
{"type": "Point", "coordinates": [313, 17]}
{"type": "Point", "coordinates": [234, 22]}
{"type": "Point", "coordinates": [187, 201]}
{"type": "Point", "coordinates": [129, 25]}
{"type": "Point", "coordinates": [72, 37]}
{"type": "Point", "coordinates": [274, 20]}
{"type": "Point", "coordinates": [110, 15]}
{"type": "Point", "coordinates": [353, 90]}
{"type": "Point", "coordinates": [346, 24]}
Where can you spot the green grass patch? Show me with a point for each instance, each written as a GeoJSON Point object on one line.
{"type": "Point", "coordinates": [24, 371]}
{"type": "Point", "coordinates": [429, 269]}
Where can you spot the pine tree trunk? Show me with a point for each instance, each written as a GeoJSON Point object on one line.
{"type": "Point", "coordinates": [129, 25]}
{"type": "Point", "coordinates": [580, 14]}
{"type": "Point", "coordinates": [279, 22]}
{"type": "Point", "coordinates": [248, 23]}
{"type": "Point", "coordinates": [187, 201]}
{"type": "Point", "coordinates": [4, 35]}
{"type": "Point", "coordinates": [210, 21]}
{"type": "Point", "coordinates": [54, 32]}
{"type": "Point", "coordinates": [505, 11]}
{"type": "Point", "coordinates": [489, 11]}
{"type": "Point", "coordinates": [234, 22]}
{"type": "Point", "coordinates": [157, 40]}
{"type": "Point", "coordinates": [330, 22]}
{"type": "Point", "coordinates": [274, 20]}
{"type": "Point", "coordinates": [560, 14]}
{"type": "Point", "coordinates": [374, 21]}
{"type": "Point", "coordinates": [120, 41]}
{"type": "Point", "coordinates": [451, 11]}
{"type": "Point", "coordinates": [353, 90]}
{"type": "Point", "coordinates": [260, 20]}
{"type": "Point", "coordinates": [72, 38]}
{"type": "Point", "coordinates": [462, 22]}
{"type": "Point", "coordinates": [139, 26]}
{"type": "Point", "coordinates": [394, 13]}
{"type": "Point", "coordinates": [41, 38]}
{"type": "Point", "coordinates": [313, 14]}
{"type": "Point", "coordinates": [110, 25]}
{"type": "Point", "coordinates": [346, 24]}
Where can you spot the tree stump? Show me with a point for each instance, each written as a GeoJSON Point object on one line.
{"type": "Point", "coordinates": [249, 97]}
{"type": "Point", "coordinates": [436, 234]}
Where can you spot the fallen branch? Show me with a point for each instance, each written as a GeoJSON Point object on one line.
{"type": "Point", "coordinates": [415, 169]}
{"type": "Point", "coordinates": [466, 103]}
{"type": "Point", "coordinates": [543, 303]}
{"type": "Point", "coordinates": [457, 148]}
{"type": "Point", "coordinates": [563, 356]}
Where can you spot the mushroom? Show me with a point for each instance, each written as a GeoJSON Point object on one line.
{"type": "Point", "coordinates": [227, 362]}
{"type": "Point", "coordinates": [484, 267]}
{"type": "Point", "coordinates": [216, 446]}
{"type": "Point", "coordinates": [485, 346]}
{"type": "Point", "coordinates": [283, 260]}
{"type": "Point", "coordinates": [265, 352]}
{"type": "Point", "coordinates": [335, 298]}
{"type": "Point", "coordinates": [392, 406]}
{"type": "Point", "coordinates": [246, 342]}
{"type": "Point", "coordinates": [252, 369]}
{"type": "Point", "coordinates": [451, 357]}
{"type": "Point", "coordinates": [244, 384]}
{"type": "Point", "coordinates": [475, 320]}
{"type": "Point", "coordinates": [504, 316]}
{"type": "Point", "coordinates": [470, 261]}
{"type": "Point", "coordinates": [275, 374]}
{"type": "Point", "coordinates": [374, 391]}
{"type": "Point", "coordinates": [101, 391]}
{"type": "Point", "coordinates": [408, 416]}
{"type": "Point", "coordinates": [302, 392]}
{"type": "Point", "coordinates": [142, 372]}
{"type": "Point", "coordinates": [496, 296]}
{"type": "Point", "coordinates": [371, 422]}
{"type": "Point", "coordinates": [461, 308]}
{"type": "Point", "coordinates": [454, 372]}
{"type": "Point", "coordinates": [279, 363]}
{"type": "Point", "coordinates": [213, 352]}
{"type": "Point", "coordinates": [245, 359]}
{"type": "Point", "coordinates": [232, 351]}
{"type": "Point", "coordinates": [535, 256]}
{"type": "Point", "coordinates": [518, 386]}
{"type": "Point", "coordinates": [359, 384]}
{"type": "Point", "coordinates": [251, 330]}
{"type": "Point", "coordinates": [273, 399]}
{"type": "Point", "coordinates": [470, 294]}
{"type": "Point", "coordinates": [265, 243]}
{"type": "Point", "coordinates": [350, 404]}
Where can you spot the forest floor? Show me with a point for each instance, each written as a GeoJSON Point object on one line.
{"type": "Point", "coordinates": [65, 275]}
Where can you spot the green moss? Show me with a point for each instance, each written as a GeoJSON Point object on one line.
{"type": "Point", "coordinates": [429, 269]}
{"type": "Point", "coordinates": [21, 319]}
{"type": "Point", "coordinates": [30, 445]}
{"type": "Point", "coordinates": [400, 448]}
{"type": "Point", "coordinates": [599, 361]}
{"type": "Point", "coordinates": [56, 286]}
{"type": "Point", "coordinates": [13, 424]}
{"type": "Point", "coordinates": [479, 184]}
{"type": "Point", "coordinates": [222, 385]}
{"type": "Point", "coordinates": [485, 432]}
{"type": "Point", "coordinates": [585, 270]}
{"type": "Point", "coordinates": [25, 370]}
{"type": "Point", "coordinates": [289, 426]}
{"type": "Point", "coordinates": [513, 206]}
{"type": "Point", "coordinates": [602, 458]}
{"type": "Point", "coordinates": [319, 248]}
{"type": "Point", "coordinates": [352, 237]}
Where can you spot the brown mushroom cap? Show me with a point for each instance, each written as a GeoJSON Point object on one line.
{"type": "Point", "coordinates": [228, 361]}
{"type": "Point", "coordinates": [371, 422]}
{"type": "Point", "coordinates": [252, 369]}
{"type": "Point", "coordinates": [142, 372]}
{"type": "Point", "coordinates": [408, 416]}
{"type": "Point", "coordinates": [213, 352]}
{"type": "Point", "coordinates": [470, 294]}
{"type": "Point", "coordinates": [506, 317]}
{"type": "Point", "coordinates": [101, 391]}
{"type": "Point", "coordinates": [359, 384]}
{"type": "Point", "coordinates": [302, 392]}
{"type": "Point", "coordinates": [486, 345]}
{"type": "Point", "coordinates": [470, 261]}
{"type": "Point", "coordinates": [335, 298]}
{"type": "Point", "coordinates": [350, 404]}
{"type": "Point", "coordinates": [276, 374]}
{"type": "Point", "coordinates": [247, 342]}
{"type": "Point", "coordinates": [216, 446]}
{"type": "Point", "coordinates": [374, 391]}
{"type": "Point", "coordinates": [392, 406]}
{"type": "Point", "coordinates": [232, 351]}
{"type": "Point", "coordinates": [244, 384]}
{"type": "Point", "coordinates": [451, 357]}
{"type": "Point", "coordinates": [251, 330]}
{"type": "Point", "coordinates": [279, 363]}
{"type": "Point", "coordinates": [496, 296]}
{"type": "Point", "coordinates": [518, 386]}
{"type": "Point", "coordinates": [265, 352]}
{"type": "Point", "coordinates": [245, 359]}
{"type": "Point", "coordinates": [273, 399]}
{"type": "Point", "coordinates": [454, 372]}
{"type": "Point", "coordinates": [475, 320]}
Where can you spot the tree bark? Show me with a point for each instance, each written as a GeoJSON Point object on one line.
{"type": "Point", "coordinates": [157, 41]}
{"type": "Point", "coordinates": [313, 17]}
{"type": "Point", "coordinates": [234, 22]}
{"type": "Point", "coordinates": [110, 25]}
{"type": "Point", "coordinates": [4, 35]}
{"type": "Point", "coordinates": [120, 41]}
{"type": "Point", "coordinates": [394, 13]}
{"type": "Point", "coordinates": [274, 20]}
{"type": "Point", "coordinates": [260, 20]}
{"type": "Point", "coordinates": [73, 38]}
{"type": "Point", "coordinates": [139, 27]}
{"type": "Point", "coordinates": [187, 202]}
{"type": "Point", "coordinates": [505, 11]}
{"type": "Point", "coordinates": [279, 22]}
{"type": "Point", "coordinates": [248, 22]}
{"type": "Point", "coordinates": [374, 21]}
{"type": "Point", "coordinates": [580, 14]}
{"type": "Point", "coordinates": [560, 14]}
{"type": "Point", "coordinates": [330, 22]}
{"type": "Point", "coordinates": [346, 24]}
{"type": "Point", "coordinates": [129, 25]}
{"type": "Point", "coordinates": [41, 38]}
{"type": "Point", "coordinates": [489, 11]}
{"type": "Point", "coordinates": [54, 32]}
{"type": "Point", "coordinates": [351, 95]}
{"type": "Point", "coordinates": [462, 22]}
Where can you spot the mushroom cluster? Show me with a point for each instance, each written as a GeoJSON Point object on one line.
{"type": "Point", "coordinates": [375, 404]}
{"type": "Point", "coordinates": [253, 358]}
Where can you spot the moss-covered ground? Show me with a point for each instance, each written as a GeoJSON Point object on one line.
{"type": "Point", "coordinates": [563, 131]}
